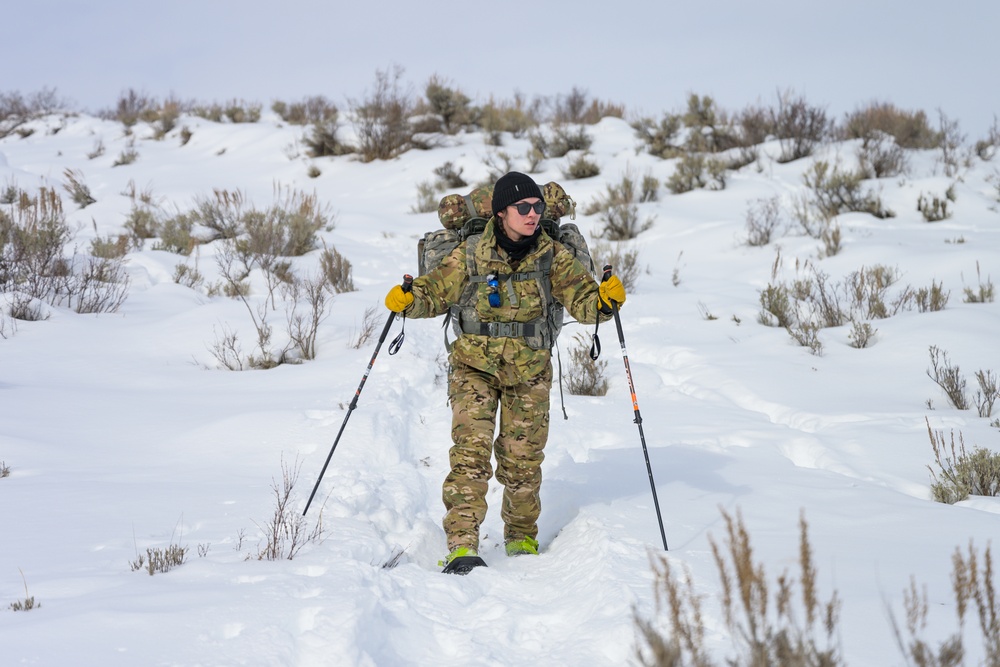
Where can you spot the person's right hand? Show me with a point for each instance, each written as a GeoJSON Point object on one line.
{"type": "Point", "coordinates": [397, 300]}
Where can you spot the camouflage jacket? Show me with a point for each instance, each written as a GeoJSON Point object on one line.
{"type": "Point", "coordinates": [510, 359]}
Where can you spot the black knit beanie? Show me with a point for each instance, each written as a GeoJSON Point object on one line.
{"type": "Point", "coordinates": [513, 187]}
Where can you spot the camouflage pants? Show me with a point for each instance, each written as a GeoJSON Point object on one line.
{"type": "Point", "coordinates": [524, 427]}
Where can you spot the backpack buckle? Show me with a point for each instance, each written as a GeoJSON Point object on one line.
{"type": "Point", "coordinates": [502, 329]}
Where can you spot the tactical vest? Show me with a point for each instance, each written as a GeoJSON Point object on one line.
{"type": "Point", "coordinates": [539, 333]}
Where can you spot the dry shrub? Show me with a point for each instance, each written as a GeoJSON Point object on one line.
{"type": "Point", "coordinates": [709, 128]}
{"type": "Point", "coordinates": [16, 109]}
{"type": "Point", "coordinates": [581, 167]}
{"type": "Point", "coordinates": [577, 107]}
{"type": "Point", "coordinates": [567, 138]}
{"type": "Point", "coordinates": [961, 474]}
{"type": "Point", "coordinates": [619, 211]}
{"type": "Point", "coordinates": [799, 126]}
{"type": "Point", "coordinates": [933, 207]}
{"type": "Point", "coordinates": [756, 124]}
{"type": "Point", "coordinates": [310, 110]}
{"type": "Point", "coordinates": [624, 261]}
{"type": "Point", "coordinates": [986, 148]}
{"type": "Point", "coordinates": [34, 266]}
{"type": "Point", "coordinates": [910, 129]}
{"type": "Point", "coordinates": [983, 293]}
{"type": "Point", "coordinates": [931, 299]}
{"type": "Point", "coordinates": [233, 111]}
{"type": "Point", "coordinates": [77, 189]}
{"type": "Point", "coordinates": [337, 270]}
{"type": "Point", "coordinates": [779, 624]}
{"type": "Point", "coordinates": [695, 171]}
{"type": "Point", "coordinates": [586, 376]}
{"type": "Point", "coordinates": [835, 191]}
{"type": "Point", "coordinates": [948, 377]}
{"type": "Point", "coordinates": [972, 585]}
{"type": "Point", "coordinates": [132, 106]}
{"type": "Point", "coordinates": [382, 119]}
{"type": "Point", "coordinates": [660, 138]}
{"type": "Point", "coordinates": [160, 559]}
{"type": "Point", "coordinates": [450, 105]}
{"type": "Point", "coordinates": [287, 532]}
{"type": "Point", "coordinates": [763, 218]}
{"type": "Point", "coordinates": [879, 156]}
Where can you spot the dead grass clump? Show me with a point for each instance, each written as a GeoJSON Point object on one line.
{"type": "Point", "coordinates": [972, 585]}
{"type": "Point", "coordinates": [619, 210]}
{"type": "Point", "coordinates": [581, 167]}
{"type": "Point", "coordinates": [586, 376]}
{"type": "Point", "coordinates": [763, 218]}
{"type": "Point", "coordinates": [337, 270]}
{"type": "Point", "coordinates": [77, 189]}
{"type": "Point", "coordinates": [625, 261]}
{"type": "Point", "coordinates": [961, 473]}
{"type": "Point", "coordinates": [517, 116]}
{"type": "Point", "coordinates": [232, 111]}
{"type": "Point", "coordinates": [783, 623]}
{"type": "Point", "coordinates": [983, 293]}
{"type": "Point", "coordinates": [160, 559]}
{"type": "Point", "coordinates": [28, 603]}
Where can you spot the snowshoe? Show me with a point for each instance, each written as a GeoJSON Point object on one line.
{"type": "Point", "coordinates": [462, 561]}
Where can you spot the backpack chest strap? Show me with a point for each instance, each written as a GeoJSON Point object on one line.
{"type": "Point", "coordinates": [515, 277]}
{"type": "Point", "coordinates": [501, 329]}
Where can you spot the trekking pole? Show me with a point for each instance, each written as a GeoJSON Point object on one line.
{"type": "Point", "coordinates": [407, 284]}
{"type": "Point", "coordinates": [635, 407]}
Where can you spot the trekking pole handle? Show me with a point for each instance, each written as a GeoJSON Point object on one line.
{"type": "Point", "coordinates": [397, 342]}
{"type": "Point", "coordinates": [604, 278]}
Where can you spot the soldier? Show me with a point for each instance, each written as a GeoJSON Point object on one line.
{"type": "Point", "coordinates": [502, 359]}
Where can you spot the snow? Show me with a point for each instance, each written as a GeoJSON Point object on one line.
{"type": "Point", "coordinates": [121, 434]}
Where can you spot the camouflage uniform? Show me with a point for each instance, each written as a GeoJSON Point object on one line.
{"type": "Point", "coordinates": [488, 372]}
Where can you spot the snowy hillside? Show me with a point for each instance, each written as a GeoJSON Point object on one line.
{"type": "Point", "coordinates": [121, 432]}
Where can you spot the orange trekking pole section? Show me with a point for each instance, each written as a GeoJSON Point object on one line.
{"type": "Point", "coordinates": [635, 408]}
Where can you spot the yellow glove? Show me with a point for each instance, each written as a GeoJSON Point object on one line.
{"type": "Point", "coordinates": [397, 300]}
{"type": "Point", "coordinates": [612, 289]}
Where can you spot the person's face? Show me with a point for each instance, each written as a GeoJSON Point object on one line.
{"type": "Point", "coordinates": [519, 226]}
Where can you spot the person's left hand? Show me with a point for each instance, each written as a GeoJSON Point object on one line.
{"type": "Point", "coordinates": [397, 300]}
{"type": "Point", "coordinates": [612, 290]}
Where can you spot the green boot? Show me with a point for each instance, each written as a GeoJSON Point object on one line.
{"type": "Point", "coordinates": [458, 552]}
{"type": "Point", "coordinates": [528, 545]}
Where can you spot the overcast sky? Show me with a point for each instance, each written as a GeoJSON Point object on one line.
{"type": "Point", "coordinates": [647, 55]}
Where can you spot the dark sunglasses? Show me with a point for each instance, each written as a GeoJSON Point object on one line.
{"type": "Point", "coordinates": [524, 207]}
